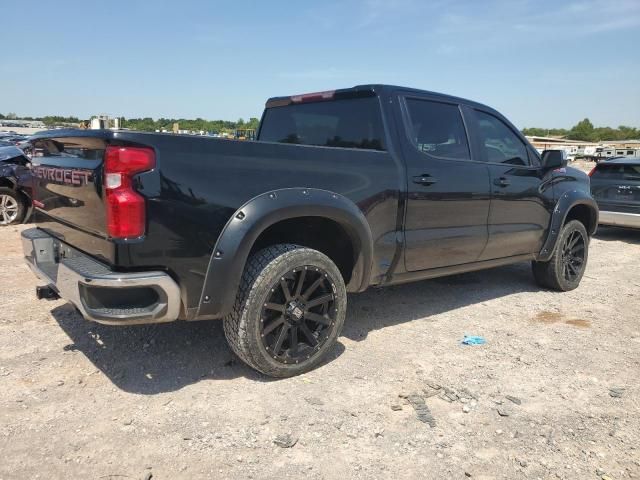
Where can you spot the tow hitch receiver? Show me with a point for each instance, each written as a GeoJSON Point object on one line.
{"type": "Point", "coordinates": [46, 293]}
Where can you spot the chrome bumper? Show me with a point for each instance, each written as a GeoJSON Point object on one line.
{"type": "Point", "coordinates": [101, 295]}
{"type": "Point", "coordinates": [620, 219]}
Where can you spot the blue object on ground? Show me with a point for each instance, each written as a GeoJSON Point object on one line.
{"type": "Point", "coordinates": [473, 340]}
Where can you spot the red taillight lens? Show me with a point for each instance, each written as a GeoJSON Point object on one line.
{"type": "Point", "coordinates": [125, 207]}
{"type": "Point", "coordinates": [593, 170]}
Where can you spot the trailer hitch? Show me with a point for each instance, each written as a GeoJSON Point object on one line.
{"type": "Point", "coordinates": [46, 293]}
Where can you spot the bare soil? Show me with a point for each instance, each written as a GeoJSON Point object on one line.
{"type": "Point", "coordinates": [552, 394]}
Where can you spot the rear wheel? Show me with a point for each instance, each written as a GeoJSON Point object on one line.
{"type": "Point", "coordinates": [12, 206]}
{"type": "Point", "coordinates": [567, 265]}
{"type": "Point", "coordinates": [289, 310]}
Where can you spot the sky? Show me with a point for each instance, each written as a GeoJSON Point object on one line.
{"type": "Point", "coordinates": [541, 63]}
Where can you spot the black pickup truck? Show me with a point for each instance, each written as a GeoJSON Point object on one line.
{"type": "Point", "coordinates": [343, 190]}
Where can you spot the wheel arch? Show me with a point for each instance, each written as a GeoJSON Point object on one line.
{"type": "Point", "coordinates": [253, 225]}
{"type": "Point", "coordinates": [572, 205]}
{"type": "Point", "coordinates": [8, 182]}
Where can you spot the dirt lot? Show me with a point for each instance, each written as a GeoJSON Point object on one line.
{"type": "Point", "coordinates": [552, 394]}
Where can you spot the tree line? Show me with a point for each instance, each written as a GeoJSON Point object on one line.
{"type": "Point", "coordinates": [49, 120]}
{"type": "Point", "coordinates": [149, 124]}
{"type": "Point", "coordinates": [585, 131]}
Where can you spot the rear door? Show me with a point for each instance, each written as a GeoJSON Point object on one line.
{"type": "Point", "coordinates": [521, 202]}
{"type": "Point", "coordinates": [616, 187]}
{"type": "Point", "coordinates": [448, 189]}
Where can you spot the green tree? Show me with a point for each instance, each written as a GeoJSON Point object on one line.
{"type": "Point", "coordinates": [583, 131]}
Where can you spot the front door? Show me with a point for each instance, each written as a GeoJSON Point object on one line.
{"type": "Point", "coordinates": [448, 190]}
{"type": "Point", "coordinates": [521, 201]}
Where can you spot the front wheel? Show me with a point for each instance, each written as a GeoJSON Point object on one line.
{"type": "Point", "coordinates": [567, 265]}
{"type": "Point", "coordinates": [289, 310]}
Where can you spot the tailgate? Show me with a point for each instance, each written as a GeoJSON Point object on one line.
{"type": "Point", "coordinates": [67, 176]}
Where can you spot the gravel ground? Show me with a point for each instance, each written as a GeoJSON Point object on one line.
{"type": "Point", "coordinates": [552, 394]}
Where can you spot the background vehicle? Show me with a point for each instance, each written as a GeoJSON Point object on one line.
{"type": "Point", "coordinates": [371, 185]}
{"type": "Point", "coordinates": [615, 185]}
{"type": "Point", "coordinates": [13, 139]}
{"type": "Point", "coordinates": [245, 134]}
{"type": "Point", "coordinates": [15, 186]}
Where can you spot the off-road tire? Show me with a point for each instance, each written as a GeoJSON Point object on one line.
{"type": "Point", "coordinates": [264, 269]}
{"type": "Point", "coordinates": [21, 204]}
{"type": "Point", "coordinates": [551, 274]}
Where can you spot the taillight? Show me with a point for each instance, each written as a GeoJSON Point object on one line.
{"type": "Point", "coordinates": [126, 214]}
{"type": "Point", "coordinates": [593, 170]}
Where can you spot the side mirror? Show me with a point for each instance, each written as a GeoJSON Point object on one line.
{"type": "Point", "coordinates": [554, 159]}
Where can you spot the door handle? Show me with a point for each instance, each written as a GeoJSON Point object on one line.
{"type": "Point", "coordinates": [502, 182]}
{"type": "Point", "coordinates": [424, 179]}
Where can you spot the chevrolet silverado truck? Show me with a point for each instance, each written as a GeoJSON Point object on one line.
{"type": "Point", "coordinates": [343, 190]}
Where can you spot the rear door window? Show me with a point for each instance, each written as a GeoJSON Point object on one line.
{"type": "Point", "coordinates": [437, 129]}
{"type": "Point", "coordinates": [498, 142]}
{"type": "Point", "coordinates": [348, 123]}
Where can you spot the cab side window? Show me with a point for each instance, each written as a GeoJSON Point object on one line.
{"type": "Point", "coordinates": [498, 142]}
{"type": "Point", "coordinates": [437, 129]}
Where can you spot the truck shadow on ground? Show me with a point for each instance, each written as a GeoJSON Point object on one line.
{"type": "Point", "coordinates": [384, 307]}
{"type": "Point", "coordinates": [152, 359]}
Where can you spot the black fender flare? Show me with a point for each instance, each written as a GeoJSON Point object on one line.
{"type": "Point", "coordinates": [565, 203]}
{"type": "Point", "coordinates": [234, 244]}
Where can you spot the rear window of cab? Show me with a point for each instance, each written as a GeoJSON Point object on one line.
{"type": "Point", "coordinates": [347, 123]}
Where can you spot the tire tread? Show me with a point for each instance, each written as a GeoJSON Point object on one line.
{"type": "Point", "coordinates": [547, 274]}
{"type": "Point", "coordinates": [259, 268]}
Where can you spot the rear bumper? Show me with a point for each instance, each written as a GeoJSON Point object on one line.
{"type": "Point", "coordinates": [620, 219]}
{"type": "Point", "coordinates": [101, 295]}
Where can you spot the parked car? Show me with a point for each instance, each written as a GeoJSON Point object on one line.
{"type": "Point", "coordinates": [13, 139]}
{"type": "Point", "coordinates": [615, 185]}
{"type": "Point", "coordinates": [367, 186]}
{"type": "Point", "coordinates": [15, 186]}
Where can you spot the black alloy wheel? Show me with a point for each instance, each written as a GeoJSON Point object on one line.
{"type": "Point", "coordinates": [573, 251]}
{"type": "Point", "coordinates": [289, 310]}
{"type": "Point", "coordinates": [298, 314]}
{"type": "Point", "coordinates": [564, 270]}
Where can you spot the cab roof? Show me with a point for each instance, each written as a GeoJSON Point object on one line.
{"type": "Point", "coordinates": [363, 91]}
